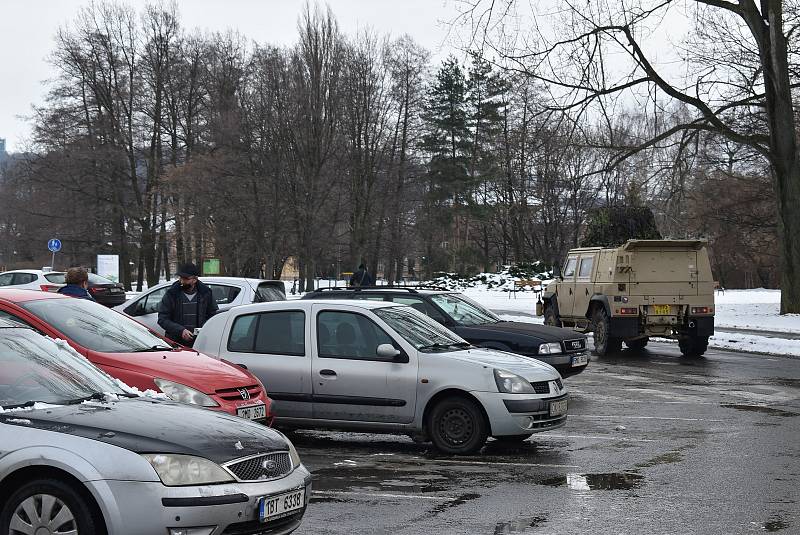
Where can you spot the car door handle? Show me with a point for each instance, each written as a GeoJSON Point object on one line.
{"type": "Point", "coordinates": [327, 373]}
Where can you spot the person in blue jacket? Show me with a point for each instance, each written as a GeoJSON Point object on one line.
{"type": "Point", "coordinates": [77, 279]}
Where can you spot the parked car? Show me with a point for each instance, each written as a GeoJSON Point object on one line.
{"type": "Point", "coordinates": [382, 367]}
{"type": "Point", "coordinates": [132, 353]}
{"type": "Point", "coordinates": [80, 454]}
{"type": "Point", "coordinates": [105, 291]}
{"type": "Point", "coordinates": [564, 349]}
{"type": "Point", "coordinates": [228, 292]}
{"type": "Point", "coordinates": [32, 279]}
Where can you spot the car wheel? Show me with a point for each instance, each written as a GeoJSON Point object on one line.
{"type": "Point", "coordinates": [457, 426]}
{"type": "Point", "coordinates": [550, 317]}
{"type": "Point", "coordinates": [46, 506]}
{"type": "Point", "coordinates": [604, 343]}
{"type": "Point", "coordinates": [638, 344]}
{"type": "Point", "coordinates": [693, 346]}
{"type": "Point", "coordinates": [514, 439]}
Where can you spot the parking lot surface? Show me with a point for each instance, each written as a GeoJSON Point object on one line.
{"type": "Point", "coordinates": [655, 443]}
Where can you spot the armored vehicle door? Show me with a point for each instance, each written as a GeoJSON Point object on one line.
{"type": "Point", "coordinates": [584, 282]}
{"type": "Point", "coordinates": [566, 288]}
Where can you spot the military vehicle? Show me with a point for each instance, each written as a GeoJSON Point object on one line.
{"type": "Point", "coordinates": [627, 294]}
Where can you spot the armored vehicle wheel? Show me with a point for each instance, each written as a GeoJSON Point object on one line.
{"type": "Point", "coordinates": [550, 317]}
{"type": "Point", "coordinates": [693, 346]}
{"type": "Point", "coordinates": [604, 343]}
{"type": "Point", "coordinates": [639, 343]}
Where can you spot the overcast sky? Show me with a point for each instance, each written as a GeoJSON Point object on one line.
{"type": "Point", "coordinates": [27, 28]}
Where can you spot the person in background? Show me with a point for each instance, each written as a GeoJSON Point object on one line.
{"type": "Point", "coordinates": [186, 306]}
{"type": "Point", "coordinates": [77, 279]}
{"type": "Point", "coordinates": [361, 277]}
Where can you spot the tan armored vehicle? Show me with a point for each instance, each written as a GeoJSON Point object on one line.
{"type": "Point", "coordinates": [641, 289]}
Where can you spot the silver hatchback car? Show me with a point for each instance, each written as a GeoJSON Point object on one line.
{"type": "Point", "coordinates": [80, 456]}
{"type": "Point", "coordinates": [381, 367]}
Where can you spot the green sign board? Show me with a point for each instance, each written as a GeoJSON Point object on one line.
{"type": "Point", "coordinates": [211, 266]}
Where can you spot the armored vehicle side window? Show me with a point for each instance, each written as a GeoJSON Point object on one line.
{"type": "Point", "coordinates": [569, 269]}
{"type": "Point", "coordinates": [586, 267]}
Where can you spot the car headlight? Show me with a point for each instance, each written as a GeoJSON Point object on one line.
{"type": "Point", "coordinates": [293, 454]}
{"type": "Point", "coordinates": [179, 470]}
{"type": "Point", "coordinates": [511, 383]}
{"type": "Point", "coordinates": [550, 349]}
{"type": "Point", "coordinates": [185, 394]}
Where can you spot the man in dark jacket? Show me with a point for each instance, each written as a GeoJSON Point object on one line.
{"type": "Point", "coordinates": [77, 279]}
{"type": "Point", "coordinates": [186, 306]}
{"type": "Point", "coordinates": [361, 277]}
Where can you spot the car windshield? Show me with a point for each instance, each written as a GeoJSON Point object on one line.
{"type": "Point", "coordinates": [34, 368]}
{"type": "Point", "coordinates": [94, 326]}
{"type": "Point", "coordinates": [464, 310]}
{"type": "Point", "coordinates": [419, 330]}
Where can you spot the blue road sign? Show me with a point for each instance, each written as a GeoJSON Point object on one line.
{"type": "Point", "coordinates": [54, 245]}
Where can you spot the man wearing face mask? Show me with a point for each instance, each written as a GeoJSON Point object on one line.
{"type": "Point", "coordinates": [186, 306]}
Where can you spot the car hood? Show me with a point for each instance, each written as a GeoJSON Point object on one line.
{"type": "Point", "coordinates": [543, 333]}
{"type": "Point", "coordinates": [145, 425]}
{"type": "Point", "coordinates": [531, 369]}
{"type": "Point", "coordinates": [187, 367]}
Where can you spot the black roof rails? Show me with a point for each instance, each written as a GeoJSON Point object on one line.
{"type": "Point", "coordinates": [409, 289]}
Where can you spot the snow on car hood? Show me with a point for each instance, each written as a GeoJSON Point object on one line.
{"type": "Point", "coordinates": [531, 369]}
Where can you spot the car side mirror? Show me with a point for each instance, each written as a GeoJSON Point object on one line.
{"type": "Point", "coordinates": [389, 352]}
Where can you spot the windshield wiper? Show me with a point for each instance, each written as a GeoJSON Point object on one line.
{"type": "Point", "coordinates": [437, 345]}
{"type": "Point", "coordinates": [97, 396]}
{"type": "Point", "coordinates": [152, 348]}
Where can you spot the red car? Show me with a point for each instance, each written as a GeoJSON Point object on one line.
{"type": "Point", "coordinates": [129, 351]}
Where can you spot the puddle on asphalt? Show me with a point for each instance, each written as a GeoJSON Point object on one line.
{"type": "Point", "coordinates": [775, 525]}
{"type": "Point", "coordinates": [667, 458]}
{"type": "Point", "coordinates": [517, 526]}
{"type": "Point", "coordinates": [381, 479]}
{"type": "Point", "coordinates": [758, 408]}
{"type": "Point", "coordinates": [461, 500]}
{"type": "Point", "coordinates": [615, 481]}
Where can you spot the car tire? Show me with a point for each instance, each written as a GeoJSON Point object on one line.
{"type": "Point", "coordinates": [513, 439]}
{"type": "Point", "coordinates": [550, 317]}
{"type": "Point", "coordinates": [604, 342]}
{"type": "Point", "coordinates": [62, 500]}
{"type": "Point", "coordinates": [693, 346]}
{"type": "Point", "coordinates": [637, 344]}
{"type": "Point", "coordinates": [457, 426]}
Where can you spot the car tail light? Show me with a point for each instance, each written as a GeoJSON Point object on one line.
{"type": "Point", "coordinates": [628, 310]}
{"type": "Point", "coordinates": [49, 287]}
{"type": "Point", "coordinates": [702, 310]}
{"type": "Point", "coordinates": [95, 289]}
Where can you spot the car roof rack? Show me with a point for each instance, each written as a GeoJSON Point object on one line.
{"type": "Point", "coordinates": [409, 289]}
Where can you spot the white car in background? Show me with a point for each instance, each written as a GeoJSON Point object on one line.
{"type": "Point", "coordinates": [228, 292]}
{"type": "Point", "coordinates": [32, 279]}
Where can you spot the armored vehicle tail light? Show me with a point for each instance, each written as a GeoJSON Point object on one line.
{"type": "Point", "coordinates": [702, 310]}
{"type": "Point", "coordinates": [628, 310]}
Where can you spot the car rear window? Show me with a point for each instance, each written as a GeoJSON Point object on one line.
{"type": "Point", "coordinates": [97, 279]}
{"type": "Point", "coordinates": [267, 291]}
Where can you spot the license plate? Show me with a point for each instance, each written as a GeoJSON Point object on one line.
{"type": "Point", "coordinates": [558, 408]}
{"type": "Point", "coordinates": [274, 507]}
{"type": "Point", "coordinates": [580, 360]}
{"type": "Point", "coordinates": [116, 290]}
{"type": "Point", "coordinates": [252, 412]}
{"type": "Point", "coordinates": [661, 310]}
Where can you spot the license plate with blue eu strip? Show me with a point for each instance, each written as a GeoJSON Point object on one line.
{"type": "Point", "coordinates": [281, 505]}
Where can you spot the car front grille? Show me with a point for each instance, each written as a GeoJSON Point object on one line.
{"type": "Point", "coordinates": [232, 394]}
{"type": "Point", "coordinates": [543, 387]}
{"type": "Point", "coordinates": [577, 344]}
{"type": "Point", "coordinates": [261, 467]}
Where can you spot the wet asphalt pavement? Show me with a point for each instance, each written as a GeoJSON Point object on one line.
{"type": "Point", "coordinates": [654, 444]}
